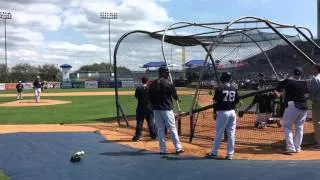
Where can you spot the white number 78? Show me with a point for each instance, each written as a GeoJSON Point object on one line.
{"type": "Point", "coordinates": [229, 95]}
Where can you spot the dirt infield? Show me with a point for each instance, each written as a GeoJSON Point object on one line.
{"type": "Point", "coordinates": [199, 147]}
{"type": "Point", "coordinates": [24, 103]}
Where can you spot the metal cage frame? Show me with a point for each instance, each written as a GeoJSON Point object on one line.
{"type": "Point", "coordinates": [209, 48]}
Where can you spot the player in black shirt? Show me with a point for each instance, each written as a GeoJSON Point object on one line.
{"type": "Point", "coordinates": [226, 98]}
{"type": "Point", "coordinates": [144, 110]}
{"type": "Point", "coordinates": [19, 88]}
{"type": "Point", "coordinates": [161, 94]}
{"type": "Point", "coordinates": [295, 91]}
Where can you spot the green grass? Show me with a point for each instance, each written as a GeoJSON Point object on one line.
{"type": "Point", "coordinates": [84, 109]}
{"type": "Point", "coordinates": [58, 90]}
{"type": "Point", "coordinates": [3, 176]}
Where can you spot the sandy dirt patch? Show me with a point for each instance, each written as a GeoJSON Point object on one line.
{"type": "Point", "coordinates": [122, 135]}
{"type": "Point", "coordinates": [24, 103]}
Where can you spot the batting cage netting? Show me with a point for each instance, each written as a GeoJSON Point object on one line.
{"type": "Point", "coordinates": [257, 52]}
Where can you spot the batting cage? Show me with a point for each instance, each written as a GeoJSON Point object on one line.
{"type": "Point", "coordinates": [258, 53]}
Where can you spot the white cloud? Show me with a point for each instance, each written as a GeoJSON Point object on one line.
{"type": "Point", "coordinates": [28, 42]}
{"type": "Point", "coordinates": [66, 46]}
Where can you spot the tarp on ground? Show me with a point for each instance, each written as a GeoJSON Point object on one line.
{"type": "Point", "coordinates": [45, 156]}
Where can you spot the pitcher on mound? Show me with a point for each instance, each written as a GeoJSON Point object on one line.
{"type": "Point", "coordinates": [37, 89]}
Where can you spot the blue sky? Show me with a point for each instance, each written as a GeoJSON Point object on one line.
{"type": "Point", "coordinates": [70, 31]}
{"type": "Point", "coordinates": [299, 12]}
{"type": "Point", "coordinates": [296, 12]}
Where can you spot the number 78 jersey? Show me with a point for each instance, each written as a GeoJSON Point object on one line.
{"type": "Point", "coordinates": [226, 98]}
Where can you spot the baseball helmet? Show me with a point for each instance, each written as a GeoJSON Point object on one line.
{"type": "Point", "coordinates": [298, 71]}
{"type": "Point", "coordinates": [225, 77]}
{"type": "Point", "coordinates": [163, 69]}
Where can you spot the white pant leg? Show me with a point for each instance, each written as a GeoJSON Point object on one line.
{"type": "Point", "coordinates": [260, 117]}
{"type": "Point", "coordinates": [221, 124]}
{"type": "Point", "coordinates": [288, 117]}
{"type": "Point", "coordinates": [231, 130]}
{"type": "Point", "coordinates": [160, 124]}
{"type": "Point", "coordinates": [171, 124]}
{"type": "Point", "coordinates": [37, 92]}
{"type": "Point", "coordinates": [291, 116]}
{"type": "Point", "coordinates": [301, 118]}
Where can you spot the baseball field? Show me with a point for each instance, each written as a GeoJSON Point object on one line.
{"type": "Point", "coordinates": [76, 110]}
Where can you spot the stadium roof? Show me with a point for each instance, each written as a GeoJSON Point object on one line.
{"type": "Point", "coordinates": [157, 64]}
{"type": "Point", "coordinates": [154, 64]}
{"type": "Point", "coordinates": [65, 66]}
{"type": "Point", "coordinates": [196, 63]}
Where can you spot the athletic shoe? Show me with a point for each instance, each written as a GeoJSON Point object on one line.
{"type": "Point", "coordinates": [229, 157]}
{"type": "Point", "coordinates": [316, 147]}
{"type": "Point", "coordinates": [153, 138]}
{"type": "Point", "coordinates": [163, 153]}
{"type": "Point", "coordinates": [297, 151]}
{"type": "Point", "coordinates": [288, 152]}
{"type": "Point", "coordinates": [211, 156]}
{"type": "Point", "coordinates": [136, 139]}
{"type": "Point", "coordinates": [180, 151]}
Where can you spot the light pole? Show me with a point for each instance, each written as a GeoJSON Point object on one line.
{"type": "Point", "coordinates": [109, 16]}
{"type": "Point", "coordinates": [5, 16]}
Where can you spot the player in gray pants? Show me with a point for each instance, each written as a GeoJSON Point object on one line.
{"type": "Point", "coordinates": [161, 95]}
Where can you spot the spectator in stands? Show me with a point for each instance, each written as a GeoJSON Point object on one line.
{"type": "Point", "coordinates": [144, 110]}
{"type": "Point", "coordinates": [315, 96]}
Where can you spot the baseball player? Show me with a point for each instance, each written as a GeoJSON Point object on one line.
{"type": "Point", "coordinates": [315, 97]}
{"type": "Point", "coordinates": [226, 97]}
{"type": "Point", "coordinates": [37, 89]}
{"type": "Point", "coordinates": [19, 88]}
{"type": "Point", "coordinates": [144, 110]}
{"type": "Point", "coordinates": [161, 95]}
{"type": "Point", "coordinates": [295, 91]}
{"type": "Point", "coordinates": [265, 104]}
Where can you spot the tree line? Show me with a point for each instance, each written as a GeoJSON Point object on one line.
{"type": "Point", "coordinates": [48, 72]}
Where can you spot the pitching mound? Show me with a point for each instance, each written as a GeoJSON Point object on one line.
{"type": "Point", "coordinates": [43, 102]}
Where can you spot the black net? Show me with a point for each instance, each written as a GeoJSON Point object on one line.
{"type": "Point", "coordinates": [244, 51]}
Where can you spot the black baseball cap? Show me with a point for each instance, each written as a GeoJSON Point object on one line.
{"type": "Point", "coordinates": [298, 71]}
{"type": "Point", "coordinates": [163, 69]}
